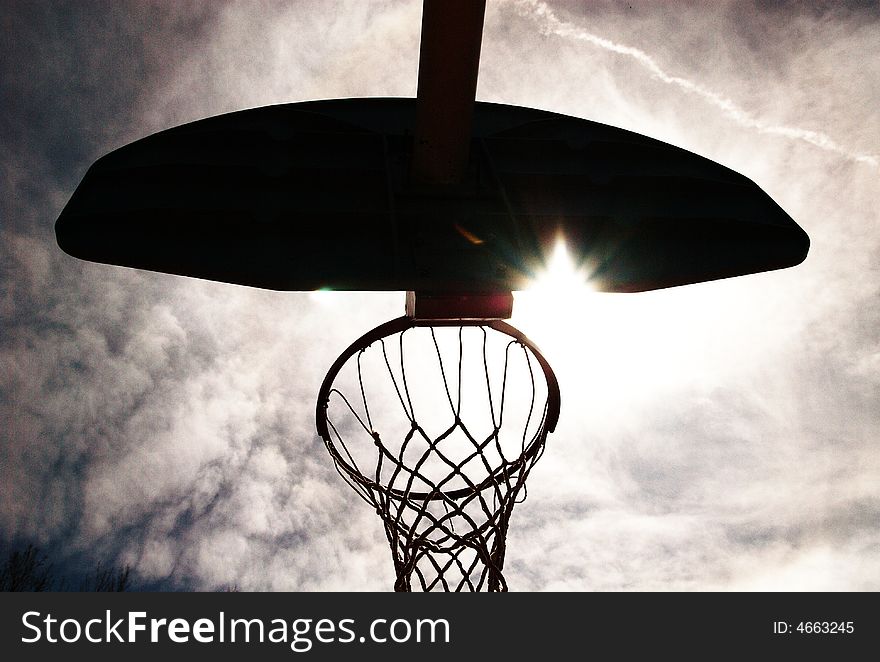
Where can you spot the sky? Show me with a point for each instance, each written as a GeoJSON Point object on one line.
{"type": "Point", "coordinates": [721, 436]}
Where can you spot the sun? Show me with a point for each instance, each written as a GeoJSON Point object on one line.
{"type": "Point", "coordinates": [558, 290]}
{"type": "Point", "coordinates": [562, 277]}
{"type": "Point", "coordinates": [616, 349]}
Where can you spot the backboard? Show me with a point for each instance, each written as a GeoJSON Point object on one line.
{"type": "Point", "coordinates": [318, 195]}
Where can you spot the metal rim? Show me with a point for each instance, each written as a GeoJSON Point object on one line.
{"type": "Point", "coordinates": [400, 325]}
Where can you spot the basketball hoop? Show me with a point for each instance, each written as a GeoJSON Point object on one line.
{"type": "Point", "coordinates": [454, 200]}
{"type": "Point", "coordinates": [443, 472]}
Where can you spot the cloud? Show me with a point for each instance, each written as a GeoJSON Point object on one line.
{"type": "Point", "coordinates": [714, 436]}
{"type": "Point", "coordinates": [550, 24]}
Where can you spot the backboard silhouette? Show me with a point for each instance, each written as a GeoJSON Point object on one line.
{"type": "Point", "coordinates": [318, 195]}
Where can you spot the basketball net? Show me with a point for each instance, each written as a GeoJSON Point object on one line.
{"type": "Point", "coordinates": [437, 424]}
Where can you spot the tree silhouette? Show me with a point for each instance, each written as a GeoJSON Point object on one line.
{"type": "Point", "coordinates": [26, 570]}
{"type": "Point", "coordinates": [29, 569]}
{"type": "Point", "coordinates": [110, 579]}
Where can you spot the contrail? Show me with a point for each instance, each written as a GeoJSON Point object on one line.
{"type": "Point", "coordinates": [550, 24]}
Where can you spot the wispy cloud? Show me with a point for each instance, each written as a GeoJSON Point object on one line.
{"type": "Point", "coordinates": [550, 23]}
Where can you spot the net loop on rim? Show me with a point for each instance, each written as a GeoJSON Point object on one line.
{"type": "Point", "coordinates": [444, 490]}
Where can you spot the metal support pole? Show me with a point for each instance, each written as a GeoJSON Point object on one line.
{"type": "Point", "coordinates": [449, 60]}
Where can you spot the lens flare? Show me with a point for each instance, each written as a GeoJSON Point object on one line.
{"type": "Point", "coordinates": [561, 280]}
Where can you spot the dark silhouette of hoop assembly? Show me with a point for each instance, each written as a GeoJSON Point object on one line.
{"type": "Point", "coordinates": [457, 203]}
